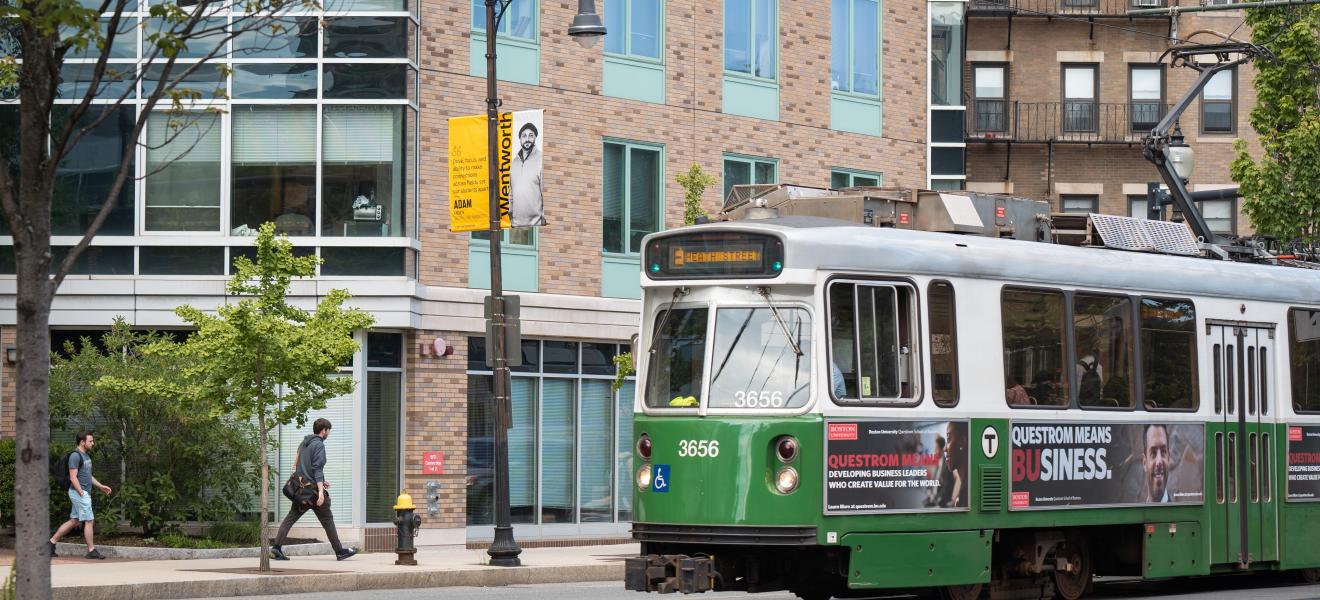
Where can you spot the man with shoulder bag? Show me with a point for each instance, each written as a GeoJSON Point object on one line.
{"type": "Point", "coordinates": [307, 489]}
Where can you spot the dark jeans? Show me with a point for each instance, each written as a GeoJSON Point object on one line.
{"type": "Point", "coordinates": [322, 513]}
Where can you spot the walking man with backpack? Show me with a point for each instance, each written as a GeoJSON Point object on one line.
{"type": "Point", "coordinates": [74, 473]}
{"type": "Point", "coordinates": [311, 465]}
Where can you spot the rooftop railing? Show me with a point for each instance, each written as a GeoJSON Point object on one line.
{"type": "Point", "coordinates": [1048, 8]}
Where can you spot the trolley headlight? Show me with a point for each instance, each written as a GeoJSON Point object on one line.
{"type": "Point", "coordinates": [644, 447]}
{"type": "Point", "coordinates": [644, 477]}
{"type": "Point", "coordinates": [786, 449]}
{"type": "Point", "coordinates": [786, 480]}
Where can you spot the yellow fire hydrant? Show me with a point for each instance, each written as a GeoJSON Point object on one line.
{"type": "Point", "coordinates": [407, 524]}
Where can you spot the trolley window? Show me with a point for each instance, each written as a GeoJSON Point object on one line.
{"type": "Point", "coordinates": [943, 344]}
{"type": "Point", "coordinates": [761, 361]}
{"type": "Point", "coordinates": [678, 353]}
{"type": "Point", "coordinates": [1304, 359]}
{"type": "Point", "coordinates": [871, 333]}
{"type": "Point", "coordinates": [1033, 348]}
{"type": "Point", "coordinates": [1168, 354]}
{"type": "Point", "coordinates": [1102, 327]}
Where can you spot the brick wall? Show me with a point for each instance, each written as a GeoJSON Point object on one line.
{"type": "Point", "coordinates": [690, 125]}
{"type": "Point", "coordinates": [436, 420]}
{"type": "Point", "coordinates": [1035, 75]}
{"type": "Point", "coordinates": [8, 391]}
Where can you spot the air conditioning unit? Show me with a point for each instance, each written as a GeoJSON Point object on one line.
{"type": "Point", "coordinates": [1148, 3]}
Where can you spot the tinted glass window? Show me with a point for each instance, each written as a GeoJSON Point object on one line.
{"type": "Point", "coordinates": [1168, 353]}
{"type": "Point", "coordinates": [192, 260]}
{"type": "Point", "coordinates": [365, 81]}
{"type": "Point", "coordinates": [1034, 371]}
{"type": "Point", "coordinates": [1102, 331]}
{"type": "Point", "coordinates": [560, 357]}
{"type": "Point", "coordinates": [384, 350]}
{"type": "Point", "coordinates": [943, 344]}
{"type": "Point", "coordinates": [1304, 359]}
{"type": "Point", "coordinates": [674, 376]}
{"type": "Point", "coordinates": [366, 37]}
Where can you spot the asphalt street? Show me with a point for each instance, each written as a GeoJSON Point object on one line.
{"type": "Point", "coordinates": [1210, 588]}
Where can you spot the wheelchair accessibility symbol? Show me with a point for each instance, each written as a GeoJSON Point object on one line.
{"type": "Point", "coordinates": [661, 481]}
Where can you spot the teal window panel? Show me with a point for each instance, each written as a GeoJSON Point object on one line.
{"type": "Point", "coordinates": [520, 267]}
{"type": "Point", "coordinates": [751, 97]}
{"type": "Point", "coordinates": [633, 199]}
{"type": "Point", "coordinates": [741, 170]}
{"type": "Point", "coordinates": [516, 60]}
{"type": "Point", "coordinates": [634, 79]}
{"type": "Point", "coordinates": [846, 178]}
{"type": "Point", "coordinates": [856, 114]}
{"type": "Point", "coordinates": [620, 276]}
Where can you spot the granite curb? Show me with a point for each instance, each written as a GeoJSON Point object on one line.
{"type": "Point", "coordinates": [68, 550]}
{"type": "Point", "coordinates": [344, 582]}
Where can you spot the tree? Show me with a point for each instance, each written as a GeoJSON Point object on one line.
{"type": "Point", "coordinates": [1281, 189]}
{"type": "Point", "coordinates": [179, 457]}
{"type": "Point", "coordinates": [694, 183]}
{"type": "Point", "coordinates": [41, 33]}
{"type": "Point", "coordinates": [264, 360]}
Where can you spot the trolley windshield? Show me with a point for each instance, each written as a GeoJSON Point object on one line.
{"type": "Point", "coordinates": [758, 360]}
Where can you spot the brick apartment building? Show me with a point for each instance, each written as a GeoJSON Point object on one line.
{"type": "Point", "coordinates": [355, 105]}
{"type": "Point", "coordinates": [1058, 94]}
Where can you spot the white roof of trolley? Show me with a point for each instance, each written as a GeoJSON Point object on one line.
{"type": "Point", "coordinates": [833, 245]}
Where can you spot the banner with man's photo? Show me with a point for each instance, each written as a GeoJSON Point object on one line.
{"type": "Point", "coordinates": [1099, 464]}
{"type": "Point", "coordinates": [884, 466]}
{"type": "Point", "coordinates": [519, 157]}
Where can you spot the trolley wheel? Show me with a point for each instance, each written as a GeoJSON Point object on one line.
{"type": "Point", "coordinates": [1308, 575]}
{"type": "Point", "coordinates": [1074, 573]}
{"type": "Point", "coordinates": [970, 591]}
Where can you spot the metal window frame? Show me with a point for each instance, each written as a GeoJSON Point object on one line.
{"type": "Point", "coordinates": [1232, 104]}
{"type": "Point", "coordinates": [1132, 102]}
{"type": "Point", "coordinates": [627, 201]}
{"type": "Point", "coordinates": [1094, 100]}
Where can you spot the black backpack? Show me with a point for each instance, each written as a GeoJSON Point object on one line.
{"type": "Point", "coordinates": [1089, 387]}
{"type": "Point", "coordinates": [60, 470]}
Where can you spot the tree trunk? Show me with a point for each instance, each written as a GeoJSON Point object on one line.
{"type": "Point", "coordinates": [265, 487]}
{"type": "Point", "coordinates": [29, 220]}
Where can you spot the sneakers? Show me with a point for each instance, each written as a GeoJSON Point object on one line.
{"type": "Point", "coordinates": [277, 554]}
{"type": "Point", "coordinates": [345, 554]}
{"type": "Point", "coordinates": [94, 555]}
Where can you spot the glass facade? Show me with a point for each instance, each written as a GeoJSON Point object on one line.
{"type": "Point", "coordinates": [308, 121]}
{"type": "Point", "coordinates": [570, 446]}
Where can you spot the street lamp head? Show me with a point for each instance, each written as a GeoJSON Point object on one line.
{"type": "Point", "coordinates": [1180, 155]}
{"type": "Point", "coordinates": [587, 26]}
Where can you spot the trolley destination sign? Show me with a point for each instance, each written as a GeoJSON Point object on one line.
{"type": "Point", "coordinates": [715, 255]}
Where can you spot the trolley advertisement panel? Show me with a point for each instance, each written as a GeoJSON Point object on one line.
{"type": "Point", "coordinates": [881, 466]}
{"type": "Point", "coordinates": [1303, 463]}
{"type": "Point", "coordinates": [1106, 464]}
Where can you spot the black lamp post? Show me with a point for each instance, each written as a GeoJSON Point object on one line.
{"type": "Point", "coordinates": [586, 28]}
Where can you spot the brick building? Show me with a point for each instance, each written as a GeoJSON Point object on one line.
{"type": "Point", "coordinates": [1058, 93]}
{"type": "Point", "coordinates": [353, 108]}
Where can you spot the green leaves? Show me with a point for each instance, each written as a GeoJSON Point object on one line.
{"type": "Point", "coordinates": [264, 356]}
{"type": "Point", "coordinates": [1281, 188]}
{"type": "Point", "coordinates": [694, 183]}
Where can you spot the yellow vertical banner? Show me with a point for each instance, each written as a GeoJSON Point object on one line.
{"type": "Point", "coordinates": [469, 180]}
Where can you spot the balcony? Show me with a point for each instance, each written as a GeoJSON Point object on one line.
{"type": "Point", "coordinates": [1071, 122]}
{"type": "Point", "coordinates": [1052, 8]}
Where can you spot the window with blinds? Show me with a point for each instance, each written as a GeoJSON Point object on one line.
{"type": "Point", "coordinates": [632, 200]}
{"type": "Point", "coordinates": [339, 459]}
{"type": "Point", "coordinates": [570, 447]}
{"type": "Point", "coordinates": [383, 444]}
{"type": "Point", "coordinates": [558, 437]}
{"type": "Point", "coordinates": [362, 171]}
{"type": "Point", "coordinates": [183, 171]}
{"type": "Point", "coordinates": [274, 169]}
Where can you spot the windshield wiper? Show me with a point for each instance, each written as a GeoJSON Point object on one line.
{"type": "Point", "coordinates": [660, 331]}
{"type": "Point", "coordinates": [765, 293]}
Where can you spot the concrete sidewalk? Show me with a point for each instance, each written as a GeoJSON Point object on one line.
{"type": "Point", "coordinates": [172, 579]}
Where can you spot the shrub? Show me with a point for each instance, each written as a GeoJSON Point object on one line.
{"type": "Point", "coordinates": [176, 458]}
{"type": "Point", "coordinates": [7, 460]}
{"type": "Point", "coordinates": [242, 533]}
{"type": "Point", "coordinates": [178, 540]}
